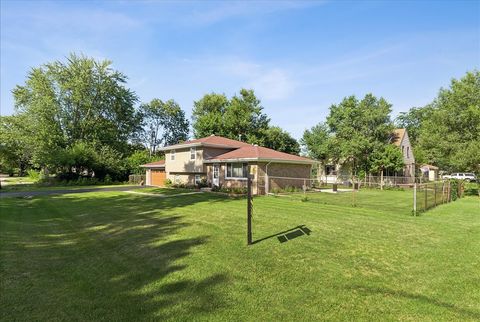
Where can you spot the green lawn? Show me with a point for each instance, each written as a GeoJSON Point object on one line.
{"type": "Point", "coordinates": [43, 187]}
{"type": "Point", "coordinates": [115, 256]}
{"type": "Point", "coordinates": [164, 191]}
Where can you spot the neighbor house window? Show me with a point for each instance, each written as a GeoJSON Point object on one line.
{"type": "Point", "coordinates": [172, 155]}
{"type": "Point", "coordinates": [198, 179]}
{"type": "Point", "coordinates": [237, 170]}
{"type": "Point", "coordinates": [408, 152]}
{"type": "Point", "coordinates": [193, 153]}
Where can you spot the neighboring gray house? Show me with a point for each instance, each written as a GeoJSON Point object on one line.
{"type": "Point", "coordinates": [332, 172]}
{"type": "Point", "coordinates": [400, 138]}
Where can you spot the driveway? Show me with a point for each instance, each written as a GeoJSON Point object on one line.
{"type": "Point", "coordinates": [65, 191]}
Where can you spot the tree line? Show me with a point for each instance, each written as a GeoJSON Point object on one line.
{"type": "Point", "coordinates": [78, 118]}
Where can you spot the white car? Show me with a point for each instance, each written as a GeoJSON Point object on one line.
{"type": "Point", "coordinates": [462, 176]}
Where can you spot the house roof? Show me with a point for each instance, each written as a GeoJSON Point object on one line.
{"type": "Point", "coordinates": [156, 164]}
{"type": "Point", "coordinates": [258, 153]}
{"type": "Point", "coordinates": [397, 136]}
{"type": "Point", "coordinates": [429, 166]}
{"type": "Point", "coordinates": [212, 140]}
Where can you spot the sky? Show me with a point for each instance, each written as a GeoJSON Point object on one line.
{"type": "Point", "coordinates": [299, 57]}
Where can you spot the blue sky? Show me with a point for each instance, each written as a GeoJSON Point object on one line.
{"type": "Point", "coordinates": [299, 57]}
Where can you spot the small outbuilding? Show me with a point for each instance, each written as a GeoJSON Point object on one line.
{"type": "Point", "coordinates": [429, 172]}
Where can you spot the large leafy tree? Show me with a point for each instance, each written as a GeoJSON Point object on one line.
{"type": "Point", "coordinates": [79, 100]}
{"type": "Point", "coordinates": [164, 123]}
{"type": "Point", "coordinates": [450, 135]}
{"type": "Point", "coordinates": [241, 117]}
{"type": "Point", "coordinates": [412, 121]}
{"type": "Point", "coordinates": [275, 138]}
{"type": "Point", "coordinates": [317, 143]}
{"type": "Point", "coordinates": [15, 144]}
{"type": "Point", "coordinates": [387, 158]}
{"type": "Point", "coordinates": [360, 127]}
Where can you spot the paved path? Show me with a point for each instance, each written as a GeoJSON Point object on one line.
{"type": "Point", "coordinates": [64, 191]}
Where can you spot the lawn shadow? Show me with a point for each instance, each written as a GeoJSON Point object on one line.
{"type": "Point", "coordinates": [288, 234]}
{"type": "Point", "coordinates": [466, 313]}
{"type": "Point", "coordinates": [108, 258]}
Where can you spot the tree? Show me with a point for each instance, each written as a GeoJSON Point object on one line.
{"type": "Point", "coordinates": [317, 143]}
{"type": "Point", "coordinates": [164, 123]}
{"type": "Point", "coordinates": [80, 100]}
{"type": "Point", "coordinates": [388, 158]}
{"type": "Point", "coordinates": [136, 159]}
{"type": "Point", "coordinates": [276, 138]}
{"type": "Point", "coordinates": [240, 118]}
{"type": "Point", "coordinates": [207, 115]}
{"type": "Point", "coordinates": [15, 152]}
{"type": "Point", "coordinates": [412, 121]}
{"type": "Point", "coordinates": [359, 128]}
{"type": "Point", "coordinates": [450, 135]}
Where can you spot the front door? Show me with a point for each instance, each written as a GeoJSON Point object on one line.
{"type": "Point", "coordinates": [216, 175]}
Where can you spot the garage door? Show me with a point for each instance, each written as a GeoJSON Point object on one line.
{"type": "Point", "coordinates": [157, 178]}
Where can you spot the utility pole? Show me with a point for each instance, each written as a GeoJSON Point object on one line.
{"type": "Point", "coordinates": [249, 209]}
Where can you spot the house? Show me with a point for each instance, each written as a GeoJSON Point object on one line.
{"type": "Point", "coordinates": [400, 139]}
{"type": "Point", "coordinates": [222, 162]}
{"type": "Point", "coordinates": [332, 172]}
{"type": "Point", "coordinates": [429, 172]}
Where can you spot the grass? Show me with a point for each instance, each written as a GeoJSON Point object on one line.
{"type": "Point", "coordinates": [43, 187]}
{"type": "Point", "coordinates": [117, 256]}
{"type": "Point", "coordinates": [164, 191]}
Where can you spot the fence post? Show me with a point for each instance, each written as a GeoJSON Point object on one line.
{"type": "Point", "coordinates": [381, 180]}
{"type": "Point", "coordinates": [435, 193]}
{"type": "Point", "coordinates": [267, 184]}
{"type": "Point", "coordinates": [425, 202]}
{"type": "Point", "coordinates": [249, 210]}
{"type": "Point", "coordinates": [415, 199]}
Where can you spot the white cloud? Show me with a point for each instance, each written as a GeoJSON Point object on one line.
{"type": "Point", "coordinates": [273, 84]}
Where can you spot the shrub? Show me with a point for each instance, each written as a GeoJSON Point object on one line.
{"type": "Point", "coordinates": [168, 183]}
{"type": "Point", "coordinates": [34, 175]}
{"type": "Point", "coordinates": [455, 187]}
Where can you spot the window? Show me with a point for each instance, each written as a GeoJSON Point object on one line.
{"type": "Point", "coordinates": [408, 152]}
{"type": "Point", "coordinates": [237, 170]}
{"type": "Point", "coordinates": [198, 179]}
{"type": "Point", "coordinates": [330, 170]}
{"type": "Point", "coordinates": [172, 155]}
{"type": "Point", "coordinates": [193, 153]}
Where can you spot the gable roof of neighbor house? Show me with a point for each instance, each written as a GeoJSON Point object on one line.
{"type": "Point", "coordinates": [429, 167]}
{"type": "Point", "coordinates": [258, 153]}
{"type": "Point", "coordinates": [397, 136]}
{"type": "Point", "coordinates": [156, 164]}
{"type": "Point", "coordinates": [209, 141]}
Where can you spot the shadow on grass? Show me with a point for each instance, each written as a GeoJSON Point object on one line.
{"type": "Point", "coordinates": [288, 234]}
{"type": "Point", "coordinates": [116, 257]}
{"type": "Point", "coordinates": [466, 313]}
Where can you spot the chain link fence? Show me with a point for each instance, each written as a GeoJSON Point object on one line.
{"type": "Point", "coordinates": [398, 194]}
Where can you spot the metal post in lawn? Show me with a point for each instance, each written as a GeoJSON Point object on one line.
{"type": "Point", "coordinates": [249, 210]}
{"type": "Point", "coordinates": [415, 199]}
{"type": "Point", "coordinates": [425, 203]}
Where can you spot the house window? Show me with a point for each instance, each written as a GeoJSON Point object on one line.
{"type": "Point", "coordinates": [237, 170]}
{"type": "Point", "coordinates": [198, 179]}
{"type": "Point", "coordinates": [193, 153]}
{"type": "Point", "coordinates": [408, 152]}
{"type": "Point", "coordinates": [172, 155]}
{"type": "Point", "coordinates": [330, 170]}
